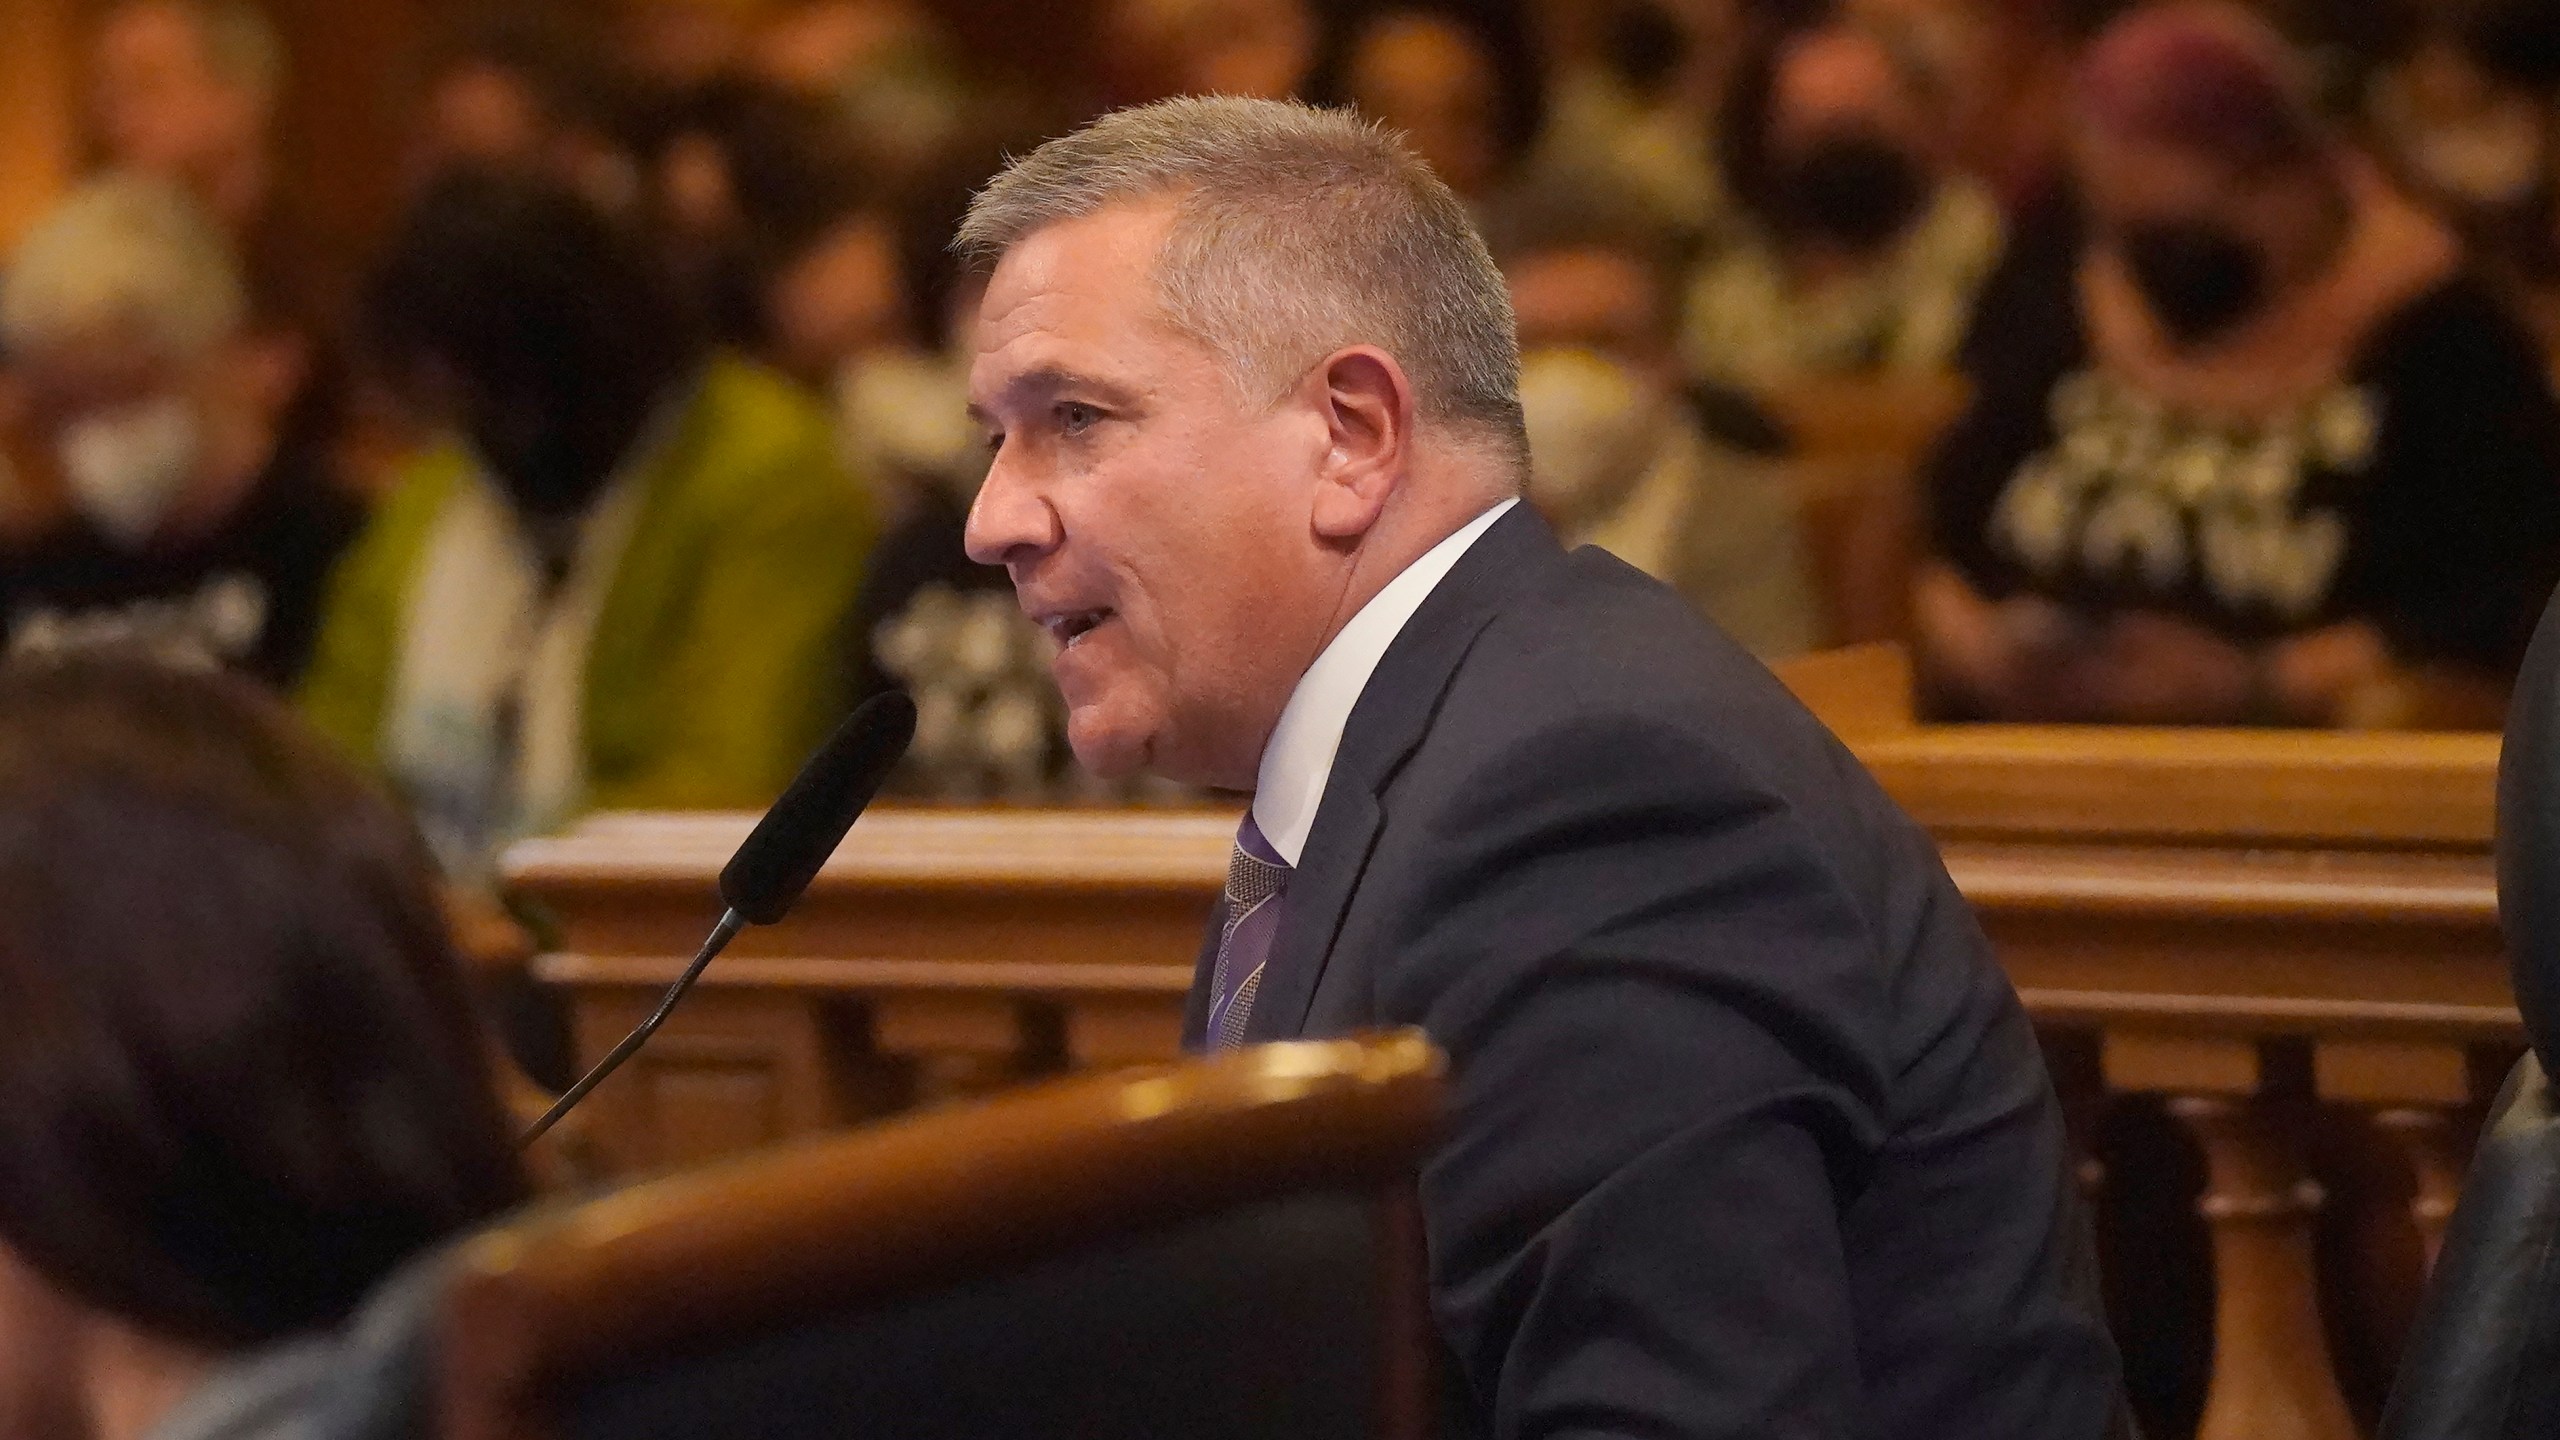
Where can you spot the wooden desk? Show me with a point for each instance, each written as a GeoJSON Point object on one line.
{"type": "Point", "coordinates": [2262, 932]}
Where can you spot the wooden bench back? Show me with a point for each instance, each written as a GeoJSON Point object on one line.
{"type": "Point", "coordinates": [576, 1294]}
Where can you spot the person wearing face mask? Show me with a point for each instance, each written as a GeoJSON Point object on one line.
{"type": "Point", "coordinates": [621, 584]}
{"type": "Point", "coordinates": [1864, 248]}
{"type": "Point", "coordinates": [175, 481]}
{"type": "Point", "coordinates": [1618, 457]}
{"type": "Point", "coordinates": [2288, 459]}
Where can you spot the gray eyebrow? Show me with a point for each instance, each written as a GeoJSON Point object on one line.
{"type": "Point", "coordinates": [1045, 380]}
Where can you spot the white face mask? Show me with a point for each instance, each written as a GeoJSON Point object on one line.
{"type": "Point", "coordinates": [1594, 427]}
{"type": "Point", "coordinates": [126, 467]}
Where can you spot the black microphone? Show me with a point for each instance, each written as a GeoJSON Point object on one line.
{"type": "Point", "coordinates": [779, 858]}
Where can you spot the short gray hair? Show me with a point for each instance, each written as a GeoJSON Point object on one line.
{"type": "Point", "coordinates": [124, 251]}
{"type": "Point", "coordinates": [1297, 231]}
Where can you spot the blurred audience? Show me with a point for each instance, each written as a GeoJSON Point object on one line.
{"type": "Point", "coordinates": [902, 404]}
{"type": "Point", "coordinates": [2007, 74]}
{"type": "Point", "coordinates": [531, 93]}
{"type": "Point", "coordinates": [2279, 455]}
{"type": "Point", "coordinates": [676, 45]}
{"type": "Point", "coordinates": [836, 295]}
{"type": "Point", "coordinates": [2471, 137]}
{"type": "Point", "coordinates": [1458, 82]}
{"type": "Point", "coordinates": [1631, 111]}
{"type": "Point", "coordinates": [1618, 456]}
{"type": "Point", "coordinates": [771, 230]}
{"type": "Point", "coordinates": [622, 583]}
{"type": "Point", "coordinates": [2464, 112]}
{"type": "Point", "coordinates": [226, 1116]}
{"type": "Point", "coordinates": [892, 79]}
{"type": "Point", "coordinates": [171, 461]}
{"type": "Point", "coordinates": [1863, 247]}
{"type": "Point", "coordinates": [736, 176]}
{"type": "Point", "coordinates": [1802, 203]}
{"type": "Point", "coordinates": [1156, 49]}
{"type": "Point", "coordinates": [187, 90]}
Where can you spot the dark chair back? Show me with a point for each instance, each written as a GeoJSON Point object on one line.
{"type": "Point", "coordinates": [2483, 1361]}
{"type": "Point", "coordinates": [1222, 1248]}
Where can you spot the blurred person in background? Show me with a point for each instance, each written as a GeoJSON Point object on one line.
{"type": "Point", "coordinates": [187, 90]}
{"type": "Point", "coordinates": [1618, 456]}
{"type": "Point", "coordinates": [2282, 457]}
{"type": "Point", "coordinates": [1632, 109]}
{"type": "Point", "coordinates": [887, 71]}
{"type": "Point", "coordinates": [2464, 113]}
{"type": "Point", "coordinates": [729, 171]}
{"type": "Point", "coordinates": [2471, 137]}
{"type": "Point", "coordinates": [528, 93]}
{"type": "Point", "coordinates": [173, 462]}
{"type": "Point", "coordinates": [902, 403]}
{"type": "Point", "coordinates": [227, 1115]}
{"type": "Point", "coordinates": [671, 46]}
{"type": "Point", "coordinates": [1864, 247]}
{"type": "Point", "coordinates": [515, 92]}
{"type": "Point", "coordinates": [773, 229]}
{"type": "Point", "coordinates": [836, 293]}
{"type": "Point", "coordinates": [1458, 82]}
{"type": "Point", "coordinates": [2006, 68]}
{"type": "Point", "coordinates": [1264, 49]}
{"type": "Point", "coordinates": [622, 581]}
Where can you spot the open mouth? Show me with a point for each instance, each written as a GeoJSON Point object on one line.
{"type": "Point", "coordinates": [1073, 626]}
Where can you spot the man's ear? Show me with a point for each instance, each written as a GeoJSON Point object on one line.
{"type": "Point", "coordinates": [1368, 410]}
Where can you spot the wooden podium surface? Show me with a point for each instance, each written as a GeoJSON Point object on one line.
{"type": "Point", "coordinates": [2260, 931]}
{"type": "Point", "coordinates": [2227, 884]}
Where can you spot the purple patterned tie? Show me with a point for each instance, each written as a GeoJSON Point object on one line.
{"type": "Point", "coordinates": [1257, 888]}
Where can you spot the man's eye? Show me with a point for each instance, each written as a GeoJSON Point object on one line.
{"type": "Point", "coordinates": [995, 441]}
{"type": "Point", "coordinates": [1075, 417]}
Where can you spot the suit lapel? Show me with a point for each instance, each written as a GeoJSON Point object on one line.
{"type": "Point", "coordinates": [1393, 714]}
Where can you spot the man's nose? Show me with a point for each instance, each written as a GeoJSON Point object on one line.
{"type": "Point", "coordinates": [1010, 521]}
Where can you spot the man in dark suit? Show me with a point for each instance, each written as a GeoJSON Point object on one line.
{"type": "Point", "coordinates": [1749, 1135]}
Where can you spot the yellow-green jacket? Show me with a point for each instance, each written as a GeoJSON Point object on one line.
{"type": "Point", "coordinates": [716, 663]}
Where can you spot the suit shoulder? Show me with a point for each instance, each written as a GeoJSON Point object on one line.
{"type": "Point", "coordinates": [1600, 637]}
{"type": "Point", "coordinates": [1602, 686]}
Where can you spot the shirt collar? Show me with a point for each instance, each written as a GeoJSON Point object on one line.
{"type": "Point", "coordinates": [1299, 758]}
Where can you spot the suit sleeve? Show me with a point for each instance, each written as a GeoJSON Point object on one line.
{"type": "Point", "coordinates": [1653, 990]}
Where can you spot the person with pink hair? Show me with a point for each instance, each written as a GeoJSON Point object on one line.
{"type": "Point", "coordinates": [2282, 458]}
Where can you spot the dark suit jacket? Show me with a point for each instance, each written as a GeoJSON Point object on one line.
{"type": "Point", "coordinates": [1749, 1135]}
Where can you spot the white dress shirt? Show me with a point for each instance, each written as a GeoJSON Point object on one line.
{"type": "Point", "coordinates": [1299, 759]}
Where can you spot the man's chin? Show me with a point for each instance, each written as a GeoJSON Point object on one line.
{"type": "Point", "coordinates": [1106, 751]}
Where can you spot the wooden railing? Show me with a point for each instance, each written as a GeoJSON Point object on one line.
{"type": "Point", "coordinates": [2267, 969]}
